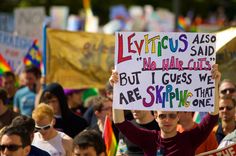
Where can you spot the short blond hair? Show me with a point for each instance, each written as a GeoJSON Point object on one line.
{"type": "Point", "coordinates": [41, 111]}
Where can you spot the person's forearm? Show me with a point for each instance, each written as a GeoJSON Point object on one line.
{"type": "Point", "coordinates": [118, 116]}
{"type": "Point", "coordinates": [216, 108]}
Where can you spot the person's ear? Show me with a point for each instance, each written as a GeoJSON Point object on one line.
{"type": "Point", "coordinates": [178, 117]}
{"type": "Point", "coordinates": [97, 113]}
{"type": "Point", "coordinates": [27, 149]}
{"type": "Point", "coordinates": [53, 122]}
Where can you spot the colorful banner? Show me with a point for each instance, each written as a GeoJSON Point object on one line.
{"type": "Point", "coordinates": [164, 71]}
{"type": "Point", "coordinates": [14, 48]}
{"type": "Point", "coordinates": [79, 59]}
{"type": "Point", "coordinates": [226, 151]}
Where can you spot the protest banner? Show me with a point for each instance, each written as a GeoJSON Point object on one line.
{"type": "Point", "coordinates": [14, 48]}
{"type": "Point", "coordinates": [79, 59]}
{"type": "Point", "coordinates": [164, 71]}
{"type": "Point", "coordinates": [6, 22]}
{"type": "Point", "coordinates": [226, 151]}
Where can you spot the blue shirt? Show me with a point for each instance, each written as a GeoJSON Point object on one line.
{"type": "Point", "coordinates": [24, 101]}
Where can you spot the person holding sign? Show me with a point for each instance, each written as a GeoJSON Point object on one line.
{"type": "Point", "coordinates": [168, 141]}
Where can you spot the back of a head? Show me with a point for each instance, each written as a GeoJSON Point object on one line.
{"type": "Point", "coordinates": [25, 122]}
{"type": "Point", "coordinates": [3, 95]}
{"type": "Point", "coordinates": [90, 138]}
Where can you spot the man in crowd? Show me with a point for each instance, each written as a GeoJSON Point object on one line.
{"type": "Point", "coordinates": [24, 100]}
{"type": "Point", "coordinates": [101, 108]}
{"type": "Point", "coordinates": [14, 141]}
{"type": "Point", "coordinates": [6, 114]}
{"type": "Point", "coordinates": [47, 137]}
{"type": "Point", "coordinates": [9, 84]}
{"type": "Point", "coordinates": [28, 123]}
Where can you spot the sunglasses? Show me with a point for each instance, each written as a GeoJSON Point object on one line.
{"type": "Point", "coordinates": [164, 116]}
{"type": "Point", "coordinates": [228, 90]}
{"type": "Point", "coordinates": [228, 108]}
{"type": "Point", "coordinates": [39, 128]}
{"type": "Point", "coordinates": [10, 147]}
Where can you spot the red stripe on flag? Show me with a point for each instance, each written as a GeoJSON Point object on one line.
{"type": "Point", "coordinates": [4, 66]}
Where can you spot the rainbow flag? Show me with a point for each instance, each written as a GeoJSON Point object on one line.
{"type": "Point", "coordinates": [182, 25]}
{"type": "Point", "coordinates": [109, 138]}
{"type": "Point", "coordinates": [33, 56]}
{"type": "Point", "coordinates": [198, 116]}
{"type": "Point", "coordinates": [4, 66]}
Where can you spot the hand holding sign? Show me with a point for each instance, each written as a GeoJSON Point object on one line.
{"type": "Point", "coordinates": [114, 78]}
{"type": "Point", "coordinates": [217, 76]}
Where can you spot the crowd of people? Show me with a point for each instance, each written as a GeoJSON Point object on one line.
{"type": "Point", "coordinates": [52, 120]}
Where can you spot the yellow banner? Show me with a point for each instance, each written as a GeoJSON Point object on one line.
{"type": "Point", "coordinates": [79, 59]}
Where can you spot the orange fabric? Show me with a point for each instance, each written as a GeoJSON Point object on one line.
{"type": "Point", "coordinates": [209, 144]}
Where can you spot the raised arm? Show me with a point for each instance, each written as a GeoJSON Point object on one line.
{"type": "Point", "coordinates": [217, 76]}
{"type": "Point", "coordinates": [118, 114]}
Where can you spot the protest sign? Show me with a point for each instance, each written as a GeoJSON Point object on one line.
{"type": "Point", "coordinates": [226, 151]}
{"type": "Point", "coordinates": [164, 71]}
{"type": "Point", "coordinates": [28, 21]}
{"type": "Point", "coordinates": [14, 48]}
{"type": "Point", "coordinates": [59, 15]}
{"type": "Point", "coordinates": [79, 59]}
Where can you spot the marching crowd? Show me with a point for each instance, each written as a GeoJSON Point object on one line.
{"type": "Point", "coordinates": [51, 120]}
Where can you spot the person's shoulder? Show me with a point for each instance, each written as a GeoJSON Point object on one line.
{"type": "Point", "coordinates": [67, 141]}
{"type": "Point", "coordinates": [64, 136]}
{"type": "Point", "coordinates": [35, 151]}
{"type": "Point", "coordinates": [22, 91]}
